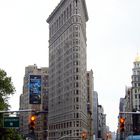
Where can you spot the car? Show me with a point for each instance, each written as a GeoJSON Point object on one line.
{"type": "Point", "coordinates": [133, 137]}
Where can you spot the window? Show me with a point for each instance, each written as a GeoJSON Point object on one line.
{"type": "Point", "coordinates": [77, 99]}
{"type": "Point", "coordinates": [75, 77]}
{"type": "Point", "coordinates": [76, 28]}
{"type": "Point", "coordinates": [76, 41]}
{"type": "Point", "coordinates": [77, 106]}
{"type": "Point", "coordinates": [75, 3]}
{"type": "Point", "coordinates": [76, 34]}
{"type": "Point", "coordinates": [62, 19]}
{"type": "Point", "coordinates": [76, 13]}
{"type": "Point", "coordinates": [67, 13]}
{"type": "Point", "coordinates": [77, 92]}
{"type": "Point", "coordinates": [77, 123]}
{"type": "Point", "coordinates": [70, 11]}
{"type": "Point", "coordinates": [59, 23]}
{"type": "Point", "coordinates": [77, 115]}
{"type": "Point", "coordinates": [64, 16]}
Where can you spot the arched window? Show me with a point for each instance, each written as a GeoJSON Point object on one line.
{"type": "Point", "coordinates": [76, 2]}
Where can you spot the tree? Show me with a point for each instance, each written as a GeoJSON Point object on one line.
{"type": "Point", "coordinates": [13, 134]}
{"type": "Point", "coordinates": [6, 89]}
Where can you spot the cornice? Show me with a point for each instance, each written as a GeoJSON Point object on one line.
{"type": "Point", "coordinates": [55, 10]}
{"type": "Point", "coordinates": [62, 2]}
{"type": "Point", "coordinates": [85, 8]}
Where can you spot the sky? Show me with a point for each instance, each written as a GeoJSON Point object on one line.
{"type": "Point", "coordinates": [113, 34]}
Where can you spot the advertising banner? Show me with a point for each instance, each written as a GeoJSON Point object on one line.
{"type": "Point", "coordinates": [35, 89]}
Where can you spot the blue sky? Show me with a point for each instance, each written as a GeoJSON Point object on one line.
{"type": "Point", "coordinates": [113, 33]}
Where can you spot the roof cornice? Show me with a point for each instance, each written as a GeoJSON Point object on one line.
{"type": "Point", "coordinates": [59, 5]}
{"type": "Point", "coordinates": [85, 8]}
{"type": "Point", "coordinates": [55, 10]}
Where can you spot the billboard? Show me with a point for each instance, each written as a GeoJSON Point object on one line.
{"type": "Point", "coordinates": [35, 89]}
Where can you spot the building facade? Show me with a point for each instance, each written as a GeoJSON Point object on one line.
{"type": "Point", "coordinates": [128, 108]}
{"type": "Point", "coordinates": [31, 102]}
{"type": "Point", "coordinates": [131, 103]}
{"type": "Point", "coordinates": [67, 70]}
{"type": "Point", "coordinates": [90, 103]}
{"type": "Point", "coordinates": [136, 84]}
{"type": "Point", "coordinates": [95, 113]}
{"type": "Point", "coordinates": [120, 135]}
{"type": "Point", "coordinates": [101, 123]}
{"type": "Point", "coordinates": [136, 95]}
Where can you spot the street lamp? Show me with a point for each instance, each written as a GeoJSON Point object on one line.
{"type": "Point", "coordinates": [84, 135]}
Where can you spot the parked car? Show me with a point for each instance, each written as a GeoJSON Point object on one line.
{"type": "Point", "coordinates": [133, 137]}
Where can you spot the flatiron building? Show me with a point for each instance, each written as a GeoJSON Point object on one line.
{"type": "Point", "coordinates": [67, 70]}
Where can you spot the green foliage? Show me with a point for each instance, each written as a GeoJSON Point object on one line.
{"type": "Point", "coordinates": [6, 89]}
{"type": "Point", "coordinates": [12, 134]}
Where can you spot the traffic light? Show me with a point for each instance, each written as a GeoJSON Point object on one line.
{"type": "Point", "coordinates": [84, 135]}
{"type": "Point", "coordinates": [32, 122]}
{"type": "Point", "coordinates": [122, 122]}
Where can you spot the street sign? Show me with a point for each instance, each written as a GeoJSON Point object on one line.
{"type": "Point", "coordinates": [10, 122]}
